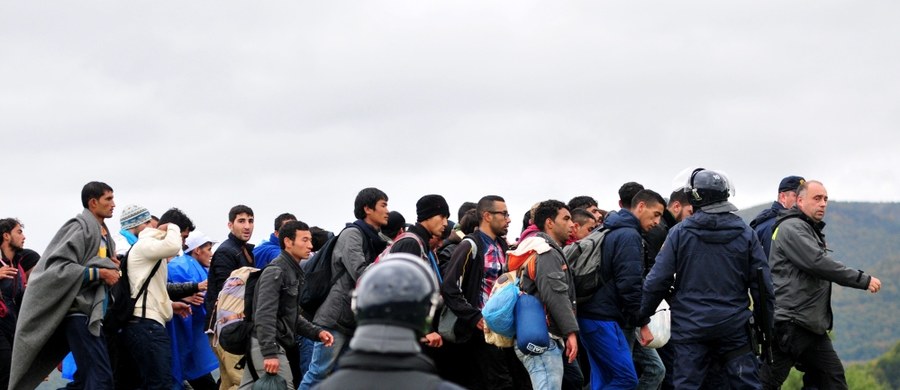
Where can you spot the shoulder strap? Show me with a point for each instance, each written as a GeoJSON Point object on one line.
{"type": "Point", "coordinates": [473, 252]}
{"type": "Point", "coordinates": [143, 290]}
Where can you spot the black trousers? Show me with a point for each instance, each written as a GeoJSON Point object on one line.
{"type": "Point", "coordinates": [796, 344]}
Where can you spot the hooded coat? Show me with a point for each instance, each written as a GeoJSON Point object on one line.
{"type": "Point", "coordinates": [716, 257]}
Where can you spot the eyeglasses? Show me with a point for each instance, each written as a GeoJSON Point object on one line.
{"type": "Point", "coordinates": [505, 214]}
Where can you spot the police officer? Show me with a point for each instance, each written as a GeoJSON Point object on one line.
{"type": "Point", "coordinates": [715, 255]}
{"type": "Point", "coordinates": [394, 304]}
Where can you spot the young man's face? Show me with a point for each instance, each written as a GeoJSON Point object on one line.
{"type": "Point", "coordinates": [15, 238]}
{"type": "Point", "coordinates": [379, 215]}
{"type": "Point", "coordinates": [596, 211]}
{"type": "Point", "coordinates": [435, 225]}
{"type": "Point", "coordinates": [103, 206]}
{"type": "Point", "coordinates": [681, 211]}
{"type": "Point", "coordinates": [561, 226]}
{"type": "Point", "coordinates": [203, 254]}
{"type": "Point", "coordinates": [242, 226]}
{"type": "Point", "coordinates": [300, 246]}
{"type": "Point", "coordinates": [648, 214]}
{"type": "Point", "coordinates": [499, 219]}
{"type": "Point", "coordinates": [581, 230]}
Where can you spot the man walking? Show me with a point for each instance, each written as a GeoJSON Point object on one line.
{"type": "Point", "coordinates": [276, 313]}
{"type": "Point", "coordinates": [803, 271]}
{"type": "Point", "coordinates": [716, 257]}
{"type": "Point", "coordinates": [63, 305]}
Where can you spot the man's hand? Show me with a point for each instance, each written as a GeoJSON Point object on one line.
{"type": "Point", "coordinates": [7, 272]}
{"type": "Point", "coordinates": [109, 276]}
{"type": "Point", "coordinates": [196, 299]}
{"type": "Point", "coordinates": [433, 340]}
{"type": "Point", "coordinates": [326, 338]}
{"type": "Point", "coordinates": [271, 365]}
{"type": "Point", "coordinates": [572, 347]}
{"type": "Point", "coordinates": [874, 285]}
{"type": "Point", "coordinates": [646, 336]}
{"type": "Point", "coordinates": [203, 285]}
{"type": "Point", "coordinates": [182, 309]}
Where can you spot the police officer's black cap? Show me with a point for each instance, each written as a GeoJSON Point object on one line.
{"type": "Point", "coordinates": [790, 183]}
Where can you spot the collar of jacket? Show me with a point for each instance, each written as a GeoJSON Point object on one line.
{"type": "Point", "coordinates": [817, 226]}
{"type": "Point", "coordinates": [295, 264]}
{"type": "Point", "coordinates": [423, 233]}
{"type": "Point", "coordinates": [550, 240]}
{"type": "Point", "coordinates": [273, 239]}
{"type": "Point", "coordinates": [375, 242]}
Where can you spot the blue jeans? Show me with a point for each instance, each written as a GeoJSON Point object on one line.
{"type": "Point", "coordinates": [94, 370]}
{"type": "Point", "coordinates": [306, 347]}
{"type": "Point", "coordinates": [150, 346]}
{"type": "Point", "coordinates": [609, 354]}
{"type": "Point", "coordinates": [546, 369]}
{"type": "Point", "coordinates": [323, 360]}
{"type": "Point", "coordinates": [652, 369]}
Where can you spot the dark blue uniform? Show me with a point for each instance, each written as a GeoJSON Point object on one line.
{"type": "Point", "coordinates": [715, 257]}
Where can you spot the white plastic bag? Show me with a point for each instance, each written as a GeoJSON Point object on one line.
{"type": "Point", "coordinates": [660, 326]}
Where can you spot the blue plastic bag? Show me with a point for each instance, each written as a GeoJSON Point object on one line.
{"type": "Point", "coordinates": [532, 337]}
{"type": "Point", "coordinates": [499, 311]}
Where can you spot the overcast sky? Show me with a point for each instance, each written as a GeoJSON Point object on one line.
{"type": "Point", "coordinates": [297, 106]}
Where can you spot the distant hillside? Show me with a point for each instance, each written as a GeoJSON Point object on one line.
{"type": "Point", "coordinates": [863, 236]}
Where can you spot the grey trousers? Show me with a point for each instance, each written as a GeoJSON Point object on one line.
{"type": "Point", "coordinates": [284, 368]}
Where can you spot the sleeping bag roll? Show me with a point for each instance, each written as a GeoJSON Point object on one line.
{"type": "Point", "coordinates": [532, 337]}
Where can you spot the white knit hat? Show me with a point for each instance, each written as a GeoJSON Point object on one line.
{"type": "Point", "coordinates": [134, 215]}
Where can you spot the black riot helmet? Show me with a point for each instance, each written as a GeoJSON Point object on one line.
{"type": "Point", "coordinates": [707, 187]}
{"type": "Point", "coordinates": [399, 290]}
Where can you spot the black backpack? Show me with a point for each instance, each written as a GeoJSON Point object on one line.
{"type": "Point", "coordinates": [121, 308]}
{"type": "Point", "coordinates": [318, 277]}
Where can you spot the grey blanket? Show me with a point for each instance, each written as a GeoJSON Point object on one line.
{"type": "Point", "coordinates": [55, 287]}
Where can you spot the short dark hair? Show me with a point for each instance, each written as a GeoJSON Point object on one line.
{"type": "Point", "coordinates": [7, 225]}
{"type": "Point", "coordinates": [289, 230]}
{"type": "Point", "coordinates": [649, 197]}
{"type": "Point", "coordinates": [627, 192]}
{"type": "Point", "coordinates": [581, 215]}
{"type": "Point", "coordinates": [396, 222]}
{"type": "Point", "coordinates": [466, 206]}
{"type": "Point", "coordinates": [469, 222]}
{"type": "Point", "coordinates": [178, 217]}
{"type": "Point", "coordinates": [367, 197]}
{"type": "Point", "coordinates": [486, 203]}
{"type": "Point", "coordinates": [547, 209]}
{"type": "Point", "coordinates": [154, 218]}
{"type": "Point", "coordinates": [582, 202]}
{"type": "Point", "coordinates": [93, 190]}
{"type": "Point", "coordinates": [281, 219]}
{"type": "Point", "coordinates": [237, 210]}
{"type": "Point", "coordinates": [319, 237]}
{"type": "Point", "coordinates": [679, 196]}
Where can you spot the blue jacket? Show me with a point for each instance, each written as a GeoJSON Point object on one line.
{"type": "Point", "coordinates": [715, 257]}
{"type": "Point", "coordinates": [620, 272]}
{"type": "Point", "coordinates": [191, 355]}
{"type": "Point", "coordinates": [267, 251]}
{"type": "Point", "coordinates": [764, 224]}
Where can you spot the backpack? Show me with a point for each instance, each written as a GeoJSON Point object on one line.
{"type": "Point", "coordinates": [318, 278]}
{"type": "Point", "coordinates": [585, 257]}
{"type": "Point", "coordinates": [387, 250]}
{"type": "Point", "coordinates": [121, 308]}
{"type": "Point", "coordinates": [234, 310]}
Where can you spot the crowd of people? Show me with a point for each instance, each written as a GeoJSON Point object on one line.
{"type": "Point", "coordinates": [722, 278]}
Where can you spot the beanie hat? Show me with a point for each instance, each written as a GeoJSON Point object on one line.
{"type": "Point", "coordinates": [134, 215]}
{"type": "Point", "coordinates": [431, 205]}
{"type": "Point", "coordinates": [790, 183]}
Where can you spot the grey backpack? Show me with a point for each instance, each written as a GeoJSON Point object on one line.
{"type": "Point", "coordinates": [585, 257]}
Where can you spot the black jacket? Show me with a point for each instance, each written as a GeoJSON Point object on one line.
{"type": "Point", "coordinates": [227, 258]}
{"type": "Point", "coordinates": [410, 245]}
{"type": "Point", "coordinates": [715, 258]}
{"type": "Point", "coordinates": [619, 299]}
{"type": "Point", "coordinates": [656, 237]}
{"type": "Point", "coordinates": [465, 299]}
{"type": "Point", "coordinates": [364, 370]}
{"type": "Point", "coordinates": [276, 315]}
